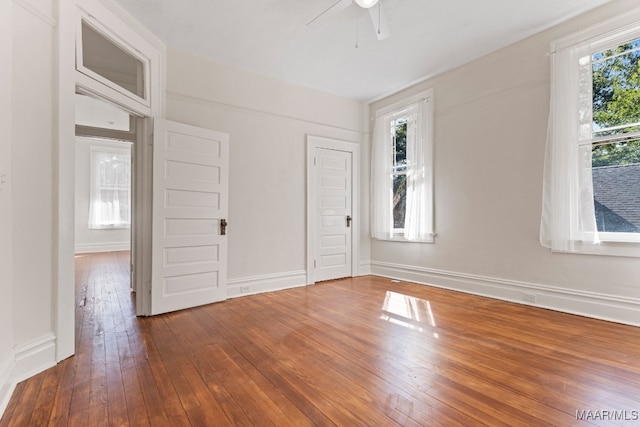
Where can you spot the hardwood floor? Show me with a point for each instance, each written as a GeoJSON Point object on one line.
{"type": "Point", "coordinates": [353, 352]}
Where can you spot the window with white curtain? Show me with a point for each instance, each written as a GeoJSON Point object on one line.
{"type": "Point", "coordinates": [110, 188]}
{"type": "Point", "coordinates": [402, 171]}
{"type": "Point", "coordinates": [591, 192]}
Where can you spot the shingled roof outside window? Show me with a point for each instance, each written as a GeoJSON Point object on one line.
{"type": "Point", "coordinates": [616, 194]}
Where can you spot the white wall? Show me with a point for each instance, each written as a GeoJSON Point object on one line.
{"type": "Point", "coordinates": [27, 52]}
{"type": "Point", "coordinates": [490, 130]}
{"type": "Point", "coordinates": [6, 225]}
{"type": "Point", "coordinates": [31, 98]}
{"type": "Point", "coordinates": [87, 239]}
{"type": "Point", "coordinates": [267, 121]}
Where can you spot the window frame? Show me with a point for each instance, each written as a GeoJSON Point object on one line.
{"type": "Point", "coordinates": [397, 233]}
{"type": "Point", "coordinates": [602, 36]}
{"type": "Point", "coordinates": [130, 43]}
{"type": "Point", "coordinates": [94, 152]}
{"type": "Point", "coordinates": [397, 109]}
{"type": "Point", "coordinates": [597, 45]}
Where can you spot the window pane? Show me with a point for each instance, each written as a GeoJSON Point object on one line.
{"type": "Point", "coordinates": [399, 138]}
{"type": "Point", "coordinates": [115, 171]}
{"type": "Point", "coordinates": [115, 207]}
{"type": "Point", "coordinates": [399, 200]}
{"type": "Point", "coordinates": [103, 57]}
{"type": "Point", "coordinates": [616, 90]}
{"type": "Point", "coordinates": [616, 186]}
{"type": "Point", "coordinates": [110, 205]}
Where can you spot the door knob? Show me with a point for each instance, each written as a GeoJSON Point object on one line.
{"type": "Point", "coordinates": [348, 220]}
{"type": "Point", "coordinates": [223, 227]}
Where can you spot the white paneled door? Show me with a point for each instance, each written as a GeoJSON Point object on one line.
{"type": "Point", "coordinates": [333, 202]}
{"type": "Point", "coordinates": [190, 193]}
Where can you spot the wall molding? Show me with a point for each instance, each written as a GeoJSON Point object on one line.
{"type": "Point", "coordinates": [34, 357]}
{"type": "Point", "coordinates": [191, 99]}
{"type": "Point", "coordinates": [612, 308]}
{"type": "Point", "coordinates": [35, 11]}
{"type": "Point", "coordinates": [87, 248]}
{"type": "Point", "coordinates": [523, 87]}
{"type": "Point", "coordinates": [265, 283]}
{"type": "Point", "coordinates": [7, 382]}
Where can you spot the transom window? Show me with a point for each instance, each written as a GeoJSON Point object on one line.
{"type": "Point", "coordinates": [114, 61]}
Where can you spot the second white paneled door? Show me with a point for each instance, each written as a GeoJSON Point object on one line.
{"type": "Point", "coordinates": [332, 215]}
{"type": "Point", "coordinates": [190, 193]}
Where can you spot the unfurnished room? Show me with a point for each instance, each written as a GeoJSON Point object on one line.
{"type": "Point", "coordinates": [320, 213]}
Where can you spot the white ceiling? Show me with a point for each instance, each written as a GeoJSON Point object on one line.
{"type": "Point", "coordinates": [270, 37]}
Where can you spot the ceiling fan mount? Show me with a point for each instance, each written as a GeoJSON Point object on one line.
{"type": "Point", "coordinates": [378, 17]}
{"type": "Point", "coordinates": [366, 4]}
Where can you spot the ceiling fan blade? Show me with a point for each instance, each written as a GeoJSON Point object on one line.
{"type": "Point", "coordinates": [379, 20]}
{"type": "Point", "coordinates": [337, 6]}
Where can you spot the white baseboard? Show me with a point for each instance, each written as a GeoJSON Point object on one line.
{"type": "Point", "coordinates": [265, 283]}
{"type": "Point", "coordinates": [88, 248]}
{"type": "Point", "coordinates": [364, 268]}
{"type": "Point", "coordinates": [7, 381]}
{"type": "Point", "coordinates": [590, 304]}
{"type": "Point", "coordinates": [24, 362]}
{"type": "Point", "coordinates": [34, 357]}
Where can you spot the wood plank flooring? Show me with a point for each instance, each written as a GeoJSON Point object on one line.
{"type": "Point", "coordinates": [355, 352]}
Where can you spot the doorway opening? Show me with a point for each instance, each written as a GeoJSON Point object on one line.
{"type": "Point", "coordinates": [101, 56]}
{"type": "Point", "coordinates": [104, 210]}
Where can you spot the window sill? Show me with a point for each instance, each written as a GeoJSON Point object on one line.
{"type": "Point", "coordinates": [401, 238]}
{"type": "Point", "coordinates": [620, 237]}
{"type": "Point", "coordinates": [109, 227]}
{"type": "Point", "coordinates": [606, 248]}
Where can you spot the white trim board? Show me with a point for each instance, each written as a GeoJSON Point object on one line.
{"type": "Point", "coordinates": [34, 357]}
{"type": "Point", "coordinates": [589, 304]}
{"type": "Point", "coordinates": [365, 268]}
{"type": "Point", "coordinates": [23, 362]}
{"type": "Point", "coordinates": [31, 7]}
{"type": "Point", "coordinates": [7, 382]}
{"type": "Point", "coordinates": [265, 283]}
{"type": "Point", "coordinates": [87, 248]}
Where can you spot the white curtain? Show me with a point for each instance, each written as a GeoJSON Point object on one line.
{"type": "Point", "coordinates": [568, 218]}
{"type": "Point", "coordinates": [419, 197]}
{"type": "Point", "coordinates": [381, 179]}
{"type": "Point", "coordinates": [109, 204]}
{"type": "Point", "coordinates": [419, 216]}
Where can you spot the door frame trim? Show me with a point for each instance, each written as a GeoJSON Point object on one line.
{"type": "Point", "coordinates": [314, 142]}
{"type": "Point", "coordinates": [63, 297]}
